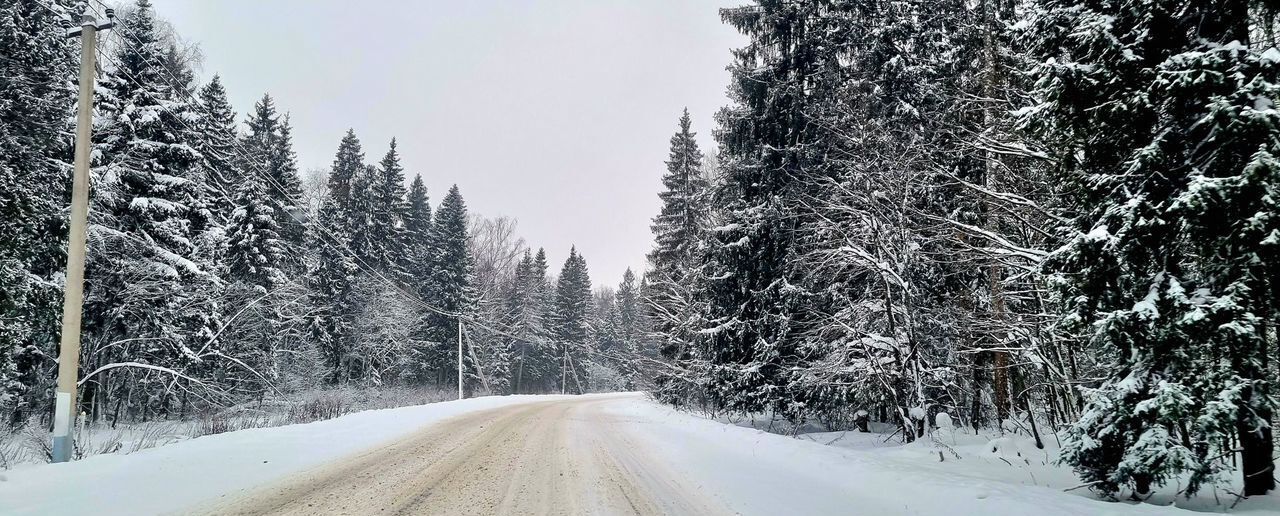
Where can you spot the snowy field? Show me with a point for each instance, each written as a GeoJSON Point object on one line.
{"type": "Point", "coordinates": [745, 470]}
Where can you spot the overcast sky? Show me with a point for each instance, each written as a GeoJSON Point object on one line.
{"type": "Point", "coordinates": [554, 112]}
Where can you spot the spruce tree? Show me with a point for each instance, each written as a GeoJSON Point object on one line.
{"type": "Point", "coordinates": [629, 313]}
{"type": "Point", "coordinates": [541, 292]}
{"type": "Point", "coordinates": [35, 103]}
{"type": "Point", "coordinates": [365, 245]}
{"type": "Point", "coordinates": [217, 147]}
{"type": "Point", "coordinates": [150, 277]}
{"type": "Point", "coordinates": [388, 215]}
{"type": "Point", "coordinates": [570, 317]}
{"type": "Point", "coordinates": [347, 165]}
{"type": "Point", "coordinates": [604, 326]}
{"type": "Point", "coordinates": [678, 233]}
{"type": "Point", "coordinates": [253, 263]}
{"type": "Point", "coordinates": [451, 281]}
{"type": "Point", "coordinates": [632, 330]}
{"type": "Point", "coordinates": [678, 227]}
{"type": "Point", "coordinates": [334, 271]}
{"type": "Point", "coordinates": [415, 260]}
{"type": "Point", "coordinates": [534, 368]}
{"type": "Point", "coordinates": [254, 252]}
{"type": "Point", "coordinates": [1159, 115]}
{"type": "Point", "coordinates": [269, 145]}
{"type": "Point", "coordinates": [517, 318]}
{"type": "Point", "coordinates": [768, 144]}
{"type": "Point", "coordinates": [284, 172]}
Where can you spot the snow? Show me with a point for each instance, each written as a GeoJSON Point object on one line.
{"type": "Point", "coordinates": [1147, 306]}
{"type": "Point", "coordinates": [754, 472]}
{"type": "Point", "coordinates": [746, 470]}
{"type": "Point", "coordinates": [1098, 234]}
{"type": "Point", "coordinates": [172, 477]}
{"type": "Point", "coordinates": [1271, 55]}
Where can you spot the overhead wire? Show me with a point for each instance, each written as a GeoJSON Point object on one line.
{"type": "Point", "coordinates": [336, 243]}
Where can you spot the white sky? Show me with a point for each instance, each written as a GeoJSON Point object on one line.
{"type": "Point", "coordinates": [555, 112]}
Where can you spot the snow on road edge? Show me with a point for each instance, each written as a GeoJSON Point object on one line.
{"type": "Point", "coordinates": [754, 472]}
{"type": "Point", "coordinates": [173, 477]}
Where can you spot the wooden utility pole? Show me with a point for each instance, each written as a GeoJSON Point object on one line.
{"type": "Point", "coordinates": [73, 299]}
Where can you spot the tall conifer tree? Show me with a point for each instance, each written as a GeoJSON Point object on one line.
{"type": "Point", "coordinates": [1160, 113]}
{"type": "Point", "coordinates": [35, 103]}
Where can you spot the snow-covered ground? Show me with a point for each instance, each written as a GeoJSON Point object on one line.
{"type": "Point", "coordinates": [745, 470]}
{"type": "Point", "coordinates": [169, 478]}
{"type": "Point", "coordinates": [862, 474]}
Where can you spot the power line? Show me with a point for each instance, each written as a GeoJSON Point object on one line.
{"type": "Point", "coordinates": [363, 266]}
{"type": "Point", "coordinates": [256, 168]}
{"type": "Point", "coordinates": [334, 241]}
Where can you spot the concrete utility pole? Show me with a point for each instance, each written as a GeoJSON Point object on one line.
{"type": "Point", "coordinates": [69, 350]}
{"type": "Point", "coordinates": [459, 357]}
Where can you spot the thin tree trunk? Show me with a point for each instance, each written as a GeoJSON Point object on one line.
{"type": "Point", "coordinates": [524, 347]}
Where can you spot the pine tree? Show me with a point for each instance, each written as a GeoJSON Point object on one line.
{"type": "Point", "coordinates": [1159, 115]}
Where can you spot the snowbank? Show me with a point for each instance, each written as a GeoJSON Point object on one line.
{"type": "Point", "coordinates": [172, 477]}
{"type": "Point", "coordinates": [754, 472]}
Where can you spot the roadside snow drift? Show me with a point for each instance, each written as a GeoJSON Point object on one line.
{"type": "Point", "coordinates": [754, 472]}
{"type": "Point", "coordinates": [170, 478]}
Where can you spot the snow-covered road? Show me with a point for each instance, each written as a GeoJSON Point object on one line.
{"type": "Point", "coordinates": [598, 454]}
{"type": "Point", "coordinates": [554, 457]}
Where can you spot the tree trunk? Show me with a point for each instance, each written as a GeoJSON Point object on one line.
{"type": "Point", "coordinates": [1256, 447]}
{"type": "Point", "coordinates": [975, 417]}
{"type": "Point", "coordinates": [520, 371]}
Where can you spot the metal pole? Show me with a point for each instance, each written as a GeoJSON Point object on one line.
{"type": "Point", "coordinates": [69, 349]}
{"type": "Point", "coordinates": [459, 357]}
